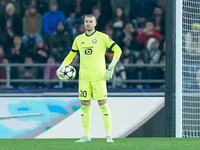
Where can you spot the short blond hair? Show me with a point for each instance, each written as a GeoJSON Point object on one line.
{"type": "Point", "coordinates": [10, 6]}
{"type": "Point", "coordinates": [91, 16]}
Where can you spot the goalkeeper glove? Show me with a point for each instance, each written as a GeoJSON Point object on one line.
{"type": "Point", "coordinates": [109, 72]}
{"type": "Point", "coordinates": [60, 74]}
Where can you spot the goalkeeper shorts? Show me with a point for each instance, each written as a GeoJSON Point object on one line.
{"type": "Point", "coordinates": [96, 89]}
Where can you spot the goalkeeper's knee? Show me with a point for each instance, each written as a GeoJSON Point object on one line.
{"type": "Point", "coordinates": [86, 115]}
{"type": "Point", "coordinates": [106, 114]}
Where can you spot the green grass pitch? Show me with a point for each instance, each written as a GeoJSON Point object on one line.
{"type": "Point", "coordinates": [100, 144]}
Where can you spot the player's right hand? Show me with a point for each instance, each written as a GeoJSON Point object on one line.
{"type": "Point", "coordinates": [60, 74]}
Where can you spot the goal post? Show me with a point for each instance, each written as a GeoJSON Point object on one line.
{"type": "Point", "coordinates": [178, 83]}
{"type": "Point", "coordinates": [170, 68]}
{"type": "Point", "coordinates": [182, 92]}
{"type": "Point", "coordinates": [178, 104]}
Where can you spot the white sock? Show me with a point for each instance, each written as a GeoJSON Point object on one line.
{"type": "Point", "coordinates": [88, 136]}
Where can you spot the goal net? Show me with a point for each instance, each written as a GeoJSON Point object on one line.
{"type": "Point", "coordinates": [191, 68]}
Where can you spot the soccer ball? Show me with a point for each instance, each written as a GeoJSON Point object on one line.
{"type": "Point", "coordinates": [69, 72]}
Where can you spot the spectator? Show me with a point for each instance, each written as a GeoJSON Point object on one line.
{"type": "Point", "coordinates": [83, 7]}
{"type": "Point", "coordinates": [59, 35]}
{"type": "Point", "coordinates": [80, 31]}
{"type": "Point", "coordinates": [126, 59]}
{"type": "Point", "coordinates": [24, 6]}
{"type": "Point", "coordinates": [2, 7]}
{"type": "Point", "coordinates": [140, 73]}
{"type": "Point", "coordinates": [101, 19]}
{"type": "Point", "coordinates": [119, 75]}
{"type": "Point", "coordinates": [60, 54]}
{"type": "Point", "coordinates": [148, 32]}
{"type": "Point", "coordinates": [3, 34]}
{"type": "Point", "coordinates": [192, 40]}
{"type": "Point", "coordinates": [127, 36]}
{"type": "Point", "coordinates": [76, 16]}
{"type": "Point", "coordinates": [2, 23]}
{"type": "Point", "coordinates": [109, 30]}
{"type": "Point", "coordinates": [190, 14]}
{"type": "Point", "coordinates": [128, 39]}
{"type": "Point", "coordinates": [12, 23]}
{"type": "Point", "coordinates": [28, 72]}
{"type": "Point", "coordinates": [41, 50]}
{"type": "Point", "coordinates": [86, 5]}
{"type": "Point", "coordinates": [151, 54]}
{"type": "Point", "coordinates": [68, 7]}
{"type": "Point", "coordinates": [17, 51]}
{"type": "Point", "coordinates": [119, 19]}
{"type": "Point", "coordinates": [109, 53]}
{"type": "Point", "coordinates": [16, 55]}
{"type": "Point", "coordinates": [106, 9]}
{"type": "Point", "coordinates": [52, 18]}
{"type": "Point", "coordinates": [49, 72]}
{"type": "Point", "coordinates": [17, 5]}
{"type": "Point", "coordinates": [1, 53]}
{"type": "Point", "coordinates": [159, 74]}
{"type": "Point", "coordinates": [140, 11]}
{"type": "Point", "coordinates": [42, 6]}
{"type": "Point", "coordinates": [197, 78]}
{"type": "Point", "coordinates": [163, 51]}
{"type": "Point", "coordinates": [76, 8]}
{"type": "Point", "coordinates": [32, 26]}
{"type": "Point", "coordinates": [158, 20]}
{"type": "Point", "coordinates": [161, 4]}
{"type": "Point", "coordinates": [3, 72]}
{"type": "Point", "coordinates": [124, 4]}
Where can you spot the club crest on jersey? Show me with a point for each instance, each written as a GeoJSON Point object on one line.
{"type": "Point", "coordinates": [94, 41]}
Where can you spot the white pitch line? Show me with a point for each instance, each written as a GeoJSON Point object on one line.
{"type": "Point", "coordinates": [20, 116]}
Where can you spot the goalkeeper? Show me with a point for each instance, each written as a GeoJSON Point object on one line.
{"type": "Point", "coordinates": [92, 46]}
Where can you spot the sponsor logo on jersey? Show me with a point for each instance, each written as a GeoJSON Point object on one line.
{"type": "Point", "coordinates": [94, 41]}
{"type": "Point", "coordinates": [88, 51]}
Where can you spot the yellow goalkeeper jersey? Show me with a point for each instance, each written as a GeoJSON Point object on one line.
{"type": "Point", "coordinates": [92, 50]}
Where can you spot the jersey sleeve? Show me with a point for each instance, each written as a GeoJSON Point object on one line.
{"type": "Point", "coordinates": [113, 46]}
{"type": "Point", "coordinates": [75, 46]}
{"type": "Point", "coordinates": [72, 53]}
{"type": "Point", "coordinates": [117, 51]}
{"type": "Point", "coordinates": [69, 58]}
{"type": "Point", "coordinates": [109, 42]}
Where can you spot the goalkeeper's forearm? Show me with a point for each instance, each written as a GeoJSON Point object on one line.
{"type": "Point", "coordinates": [66, 62]}
{"type": "Point", "coordinates": [117, 53]}
{"type": "Point", "coordinates": [69, 58]}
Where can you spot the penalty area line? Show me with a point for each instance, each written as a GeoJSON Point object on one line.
{"type": "Point", "coordinates": [21, 116]}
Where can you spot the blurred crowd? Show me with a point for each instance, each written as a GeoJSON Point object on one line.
{"type": "Point", "coordinates": [42, 31]}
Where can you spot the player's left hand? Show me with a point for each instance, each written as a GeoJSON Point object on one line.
{"type": "Point", "coordinates": [109, 72]}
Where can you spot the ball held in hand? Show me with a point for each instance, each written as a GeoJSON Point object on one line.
{"type": "Point", "coordinates": [69, 72]}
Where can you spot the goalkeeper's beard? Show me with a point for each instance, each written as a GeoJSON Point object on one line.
{"type": "Point", "coordinates": [89, 30]}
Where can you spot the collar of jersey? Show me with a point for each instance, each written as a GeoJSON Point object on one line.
{"type": "Point", "coordinates": [91, 34]}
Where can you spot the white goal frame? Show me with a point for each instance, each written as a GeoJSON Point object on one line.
{"type": "Point", "coordinates": [178, 103]}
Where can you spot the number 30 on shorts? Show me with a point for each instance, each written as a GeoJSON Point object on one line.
{"type": "Point", "coordinates": [83, 93]}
